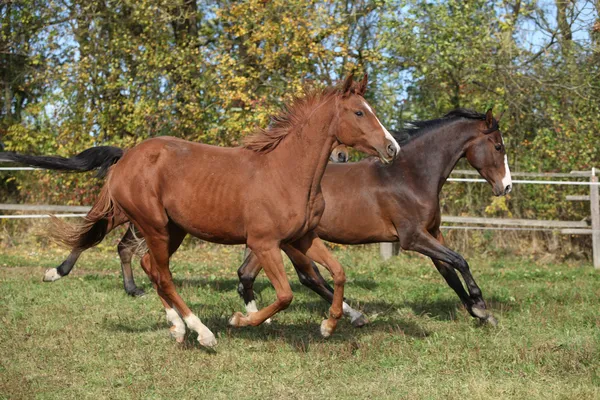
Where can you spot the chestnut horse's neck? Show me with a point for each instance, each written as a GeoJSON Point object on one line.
{"type": "Point", "coordinates": [302, 155]}
{"type": "Point", "coordinates": [431, 155]}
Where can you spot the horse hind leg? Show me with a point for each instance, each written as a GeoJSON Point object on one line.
{"type": "Point", "coordinates": [161, 245]}
{"type": "Point", "coordinates": [54, 274]}
{"type": "Point", "coordinates": [310, 276]}
{"type": "Point", "coordinates": [100, 220]}
{"type": "Point", "coordinates": [127, 247]}
{"type": "Point", "coordinates": [177, 328]}
{"type": "Point", "coordinates": [269, 256]}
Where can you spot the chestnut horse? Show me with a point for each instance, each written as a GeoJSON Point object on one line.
{"type": "Point", "coordinates": [369, 203]}
{"type": "Point", "coordinates": [265, 194]}
{"type": "Point", "coordinates": [101, 158]}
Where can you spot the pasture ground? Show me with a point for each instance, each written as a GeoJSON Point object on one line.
{"type": "Point", "coordinates": [82, 337]}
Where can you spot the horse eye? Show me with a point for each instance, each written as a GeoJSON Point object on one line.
{"type": "Point", "coordinates": [498, 147]}
{"type": "Point", "coordinates": [359, 113]}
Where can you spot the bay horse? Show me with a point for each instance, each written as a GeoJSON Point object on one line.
{"type": "Point", "coordinates": [368, 202]}
{"type": "Point", "coordinates": [100, 159]}
{"type": "Point", "coordinates": [265, 194]}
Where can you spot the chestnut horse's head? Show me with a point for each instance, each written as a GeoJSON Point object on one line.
{"type": "Point", "coordinates": [487, 154]}
{"type": "Point", "coordinates": [358, 125]}
{"type": "Point", "coordinates": [339, 154]}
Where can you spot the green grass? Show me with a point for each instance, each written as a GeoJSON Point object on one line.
{"type": "Point", "coordinates": [82, 337]}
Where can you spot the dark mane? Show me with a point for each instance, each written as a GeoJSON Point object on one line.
{"type": "Point", "coordinates": [416, 128]}
{"type": "Point", "coordinates": [292, 115]}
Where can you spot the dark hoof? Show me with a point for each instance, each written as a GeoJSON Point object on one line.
{"type": "Point", "coordinates": [360, 321]}
{"type": "Point", "coordinates": [484, 316]}
{"type": "Point", "coordinates": [137, 292]}
{"type": "Point", "coordinates": [490, 320]}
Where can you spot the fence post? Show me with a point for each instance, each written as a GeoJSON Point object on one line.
{"type": "Point", "coordinates": [595, 208]}
{"type": "Point", "coordinates": [389, 249]}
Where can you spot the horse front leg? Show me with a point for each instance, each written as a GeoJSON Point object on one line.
{"type": "Point", "coordinates": [269, 256]}
{"type": "Point", "coordinates": [311, 277]}
{"type": "Point", "coordinates": [313, 248]}
{"type": "Point", "coordinates": [445, 261]}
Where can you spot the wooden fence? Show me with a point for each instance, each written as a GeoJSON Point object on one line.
{"type": "Point", "coordinates": [476, 223]}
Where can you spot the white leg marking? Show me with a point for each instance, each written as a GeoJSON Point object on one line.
{"type": "Point", "coordinates": [251, 307]}
{"type": "Point", "coordinates": [507, 180]}
{"type": "Point", "coordinates": [178, 328]}
{"type": "Point", "coordinates": [205, 336]}
{"type": "Point", "coordinates": [351, 312]}
{"type": "Point", "coordinates": [51, 275]}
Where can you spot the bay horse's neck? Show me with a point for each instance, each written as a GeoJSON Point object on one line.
{"type": "Point", "coordinates": [435, 153]}
{"type": "Point", "coordinates": [305, 151]}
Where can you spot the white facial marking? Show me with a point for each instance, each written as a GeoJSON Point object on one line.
{"type": "Point", "coordinates": [350, 312]}
{"type": "Point", "coordinates": [507, 180]}
{"type": "Point", "coordinates": [251, 307]}
{"type": "Point", "coordinates": [51, 275]}
{"type": "Point", "coordinates": [388, 135]}
{"type": "Point", "coordinates": [205, 336]}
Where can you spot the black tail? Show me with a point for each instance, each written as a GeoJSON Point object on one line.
{"type": "Point", "coordinates": [100, 158]}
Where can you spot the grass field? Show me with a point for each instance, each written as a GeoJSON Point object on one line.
{"type": "Point", "coordinates": [82, 337]}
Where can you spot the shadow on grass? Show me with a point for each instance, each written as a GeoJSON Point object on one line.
{"type": "Point", "coordinates": [224, 285]}
{"type": "Point", "coordinates": [301, 335]}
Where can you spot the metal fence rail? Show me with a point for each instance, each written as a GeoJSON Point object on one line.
{"type": "Point", "coordinates": [474, 223]}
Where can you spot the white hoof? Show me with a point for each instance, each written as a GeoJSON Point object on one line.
{"type": "Point", "coordinates": [207, 341]}
{"type": "Point", "coordinates": [51, 275]}
{"type": "Point", "coordinates": [326, 330]}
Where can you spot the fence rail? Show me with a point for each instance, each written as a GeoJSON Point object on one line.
{"type": "Point", "coordinates": [458, 222]}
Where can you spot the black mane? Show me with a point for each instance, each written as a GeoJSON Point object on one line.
{"type": "Point", "coordinates": [414, 129]}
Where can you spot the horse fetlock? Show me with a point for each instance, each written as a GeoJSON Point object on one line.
{"type": "Point", "coordinates": [51, 275]}
{"type": "Point", "coordinates": [178, 326]}
{"type": "Point", "coordinates": [238, 320]}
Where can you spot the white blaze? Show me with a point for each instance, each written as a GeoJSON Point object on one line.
{"type": "Point", "coordinates": [507, 180]}
{"type": "Point", "coordinates": [388, 135]}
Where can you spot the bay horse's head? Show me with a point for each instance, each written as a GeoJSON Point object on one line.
{"type": "Point", "coordinates": [339, 154]}
{"type": "Point", "coordinates": [487, 154]}
{"type": "Point", "coordinates": [359, 127]}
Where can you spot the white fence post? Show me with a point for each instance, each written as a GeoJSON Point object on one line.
{"type": "Point", "coordinates": [595, 209]}
{"type": "Point", "coordinates": [389, 249]}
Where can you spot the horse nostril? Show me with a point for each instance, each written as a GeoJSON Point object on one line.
{"type": "Point", "coordinates": [342, 157]}
{"type": "Point", "coordinates": [391, 150]}
{"type": "Point", "coordinates": [508, 189]}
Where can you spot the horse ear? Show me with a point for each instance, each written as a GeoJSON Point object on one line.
{"type": "Point", "coordinates": [489, 118]}
{"type": "Point", "coordinates": [362, 88]}
{"type": "Point", "coordinates": [347, 85]}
